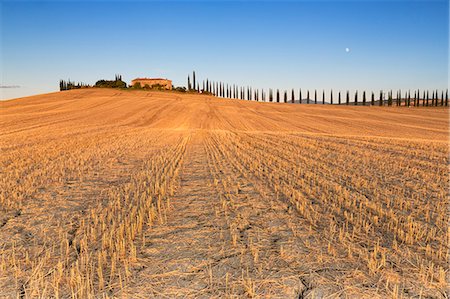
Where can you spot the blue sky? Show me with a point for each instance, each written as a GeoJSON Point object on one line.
{"type": "Point", "coordinates": [264, 44]}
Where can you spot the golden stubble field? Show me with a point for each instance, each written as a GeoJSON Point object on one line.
{"type": "Point", "coordinates": [107, 193]}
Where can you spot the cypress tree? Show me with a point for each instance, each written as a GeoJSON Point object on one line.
{"type": "Point", "coordinates": [307, 98]}
{"type": "Point", "coordinates": [364, 98]}
{"type": "Point", "coordinates": [270, 95]}
{"type": "Point", "coordinates": [381, 98]}
{"type": "Point", "coordinates": [372, 100]}
{"type": "Point", "coordinates": [193, 79]}
{"type": "Point", "coordinates": [323, 97]}
{"type": "Point", "coordinates": [315, 96]}
{"type": "Point", "coordinates": [428, 97]}
{"type": "Point", "coordinates": [300, 96]}
{"type": "Point", "coordinates": [203, 85]}
{"type": "Point", "coordinates": [278, 96]}
{"type": "Point", "coordinates": [442, 98]}
{"type": "Point", "coordinates": [285, 96]}
{"type": "Point", "coordinates": [348, 98]}
{"type": "Point", "coordinates": [417, 100]}
{"type": "Point", "coordinates": [189, 83]}
{"type": "Point", "coordinates": [446, 97]}
{"type": "Point", "coordinates": [292, 97]}
{"type": "Point", "coordinates": [356, 98]}
{"type": "Point", "coordinates": [331, 97]}
{"type": "Point", "coordinates": [339, 97]}
{"type": "Point", "coordinates": [390, 98]}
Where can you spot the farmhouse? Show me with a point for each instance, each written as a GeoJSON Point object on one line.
{"type": "Point", "coordinates": [153, 82]}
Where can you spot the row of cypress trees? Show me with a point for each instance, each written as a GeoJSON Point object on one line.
{"type": "Point", "coordinates": [66, 85]}
{"type": "Point", "coordinates": [233, 91]}
{"type": "Point", "coordinates": [116, 83]}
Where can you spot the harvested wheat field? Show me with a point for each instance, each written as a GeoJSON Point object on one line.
{"type": "Point", "coordinates": [107, 193]}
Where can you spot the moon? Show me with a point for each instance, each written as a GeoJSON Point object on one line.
{"type": "Point", "coordinates": [347, 50]}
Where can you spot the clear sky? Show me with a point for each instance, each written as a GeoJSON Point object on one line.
{"type": "Point", "coordinates": [263, 44]}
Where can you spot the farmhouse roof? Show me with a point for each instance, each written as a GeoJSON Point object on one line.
{"type": "Point", "coordinates": [150, 79]}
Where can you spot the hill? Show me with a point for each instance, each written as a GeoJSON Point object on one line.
{"type": "Point", "coordinates": [163, 194]}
